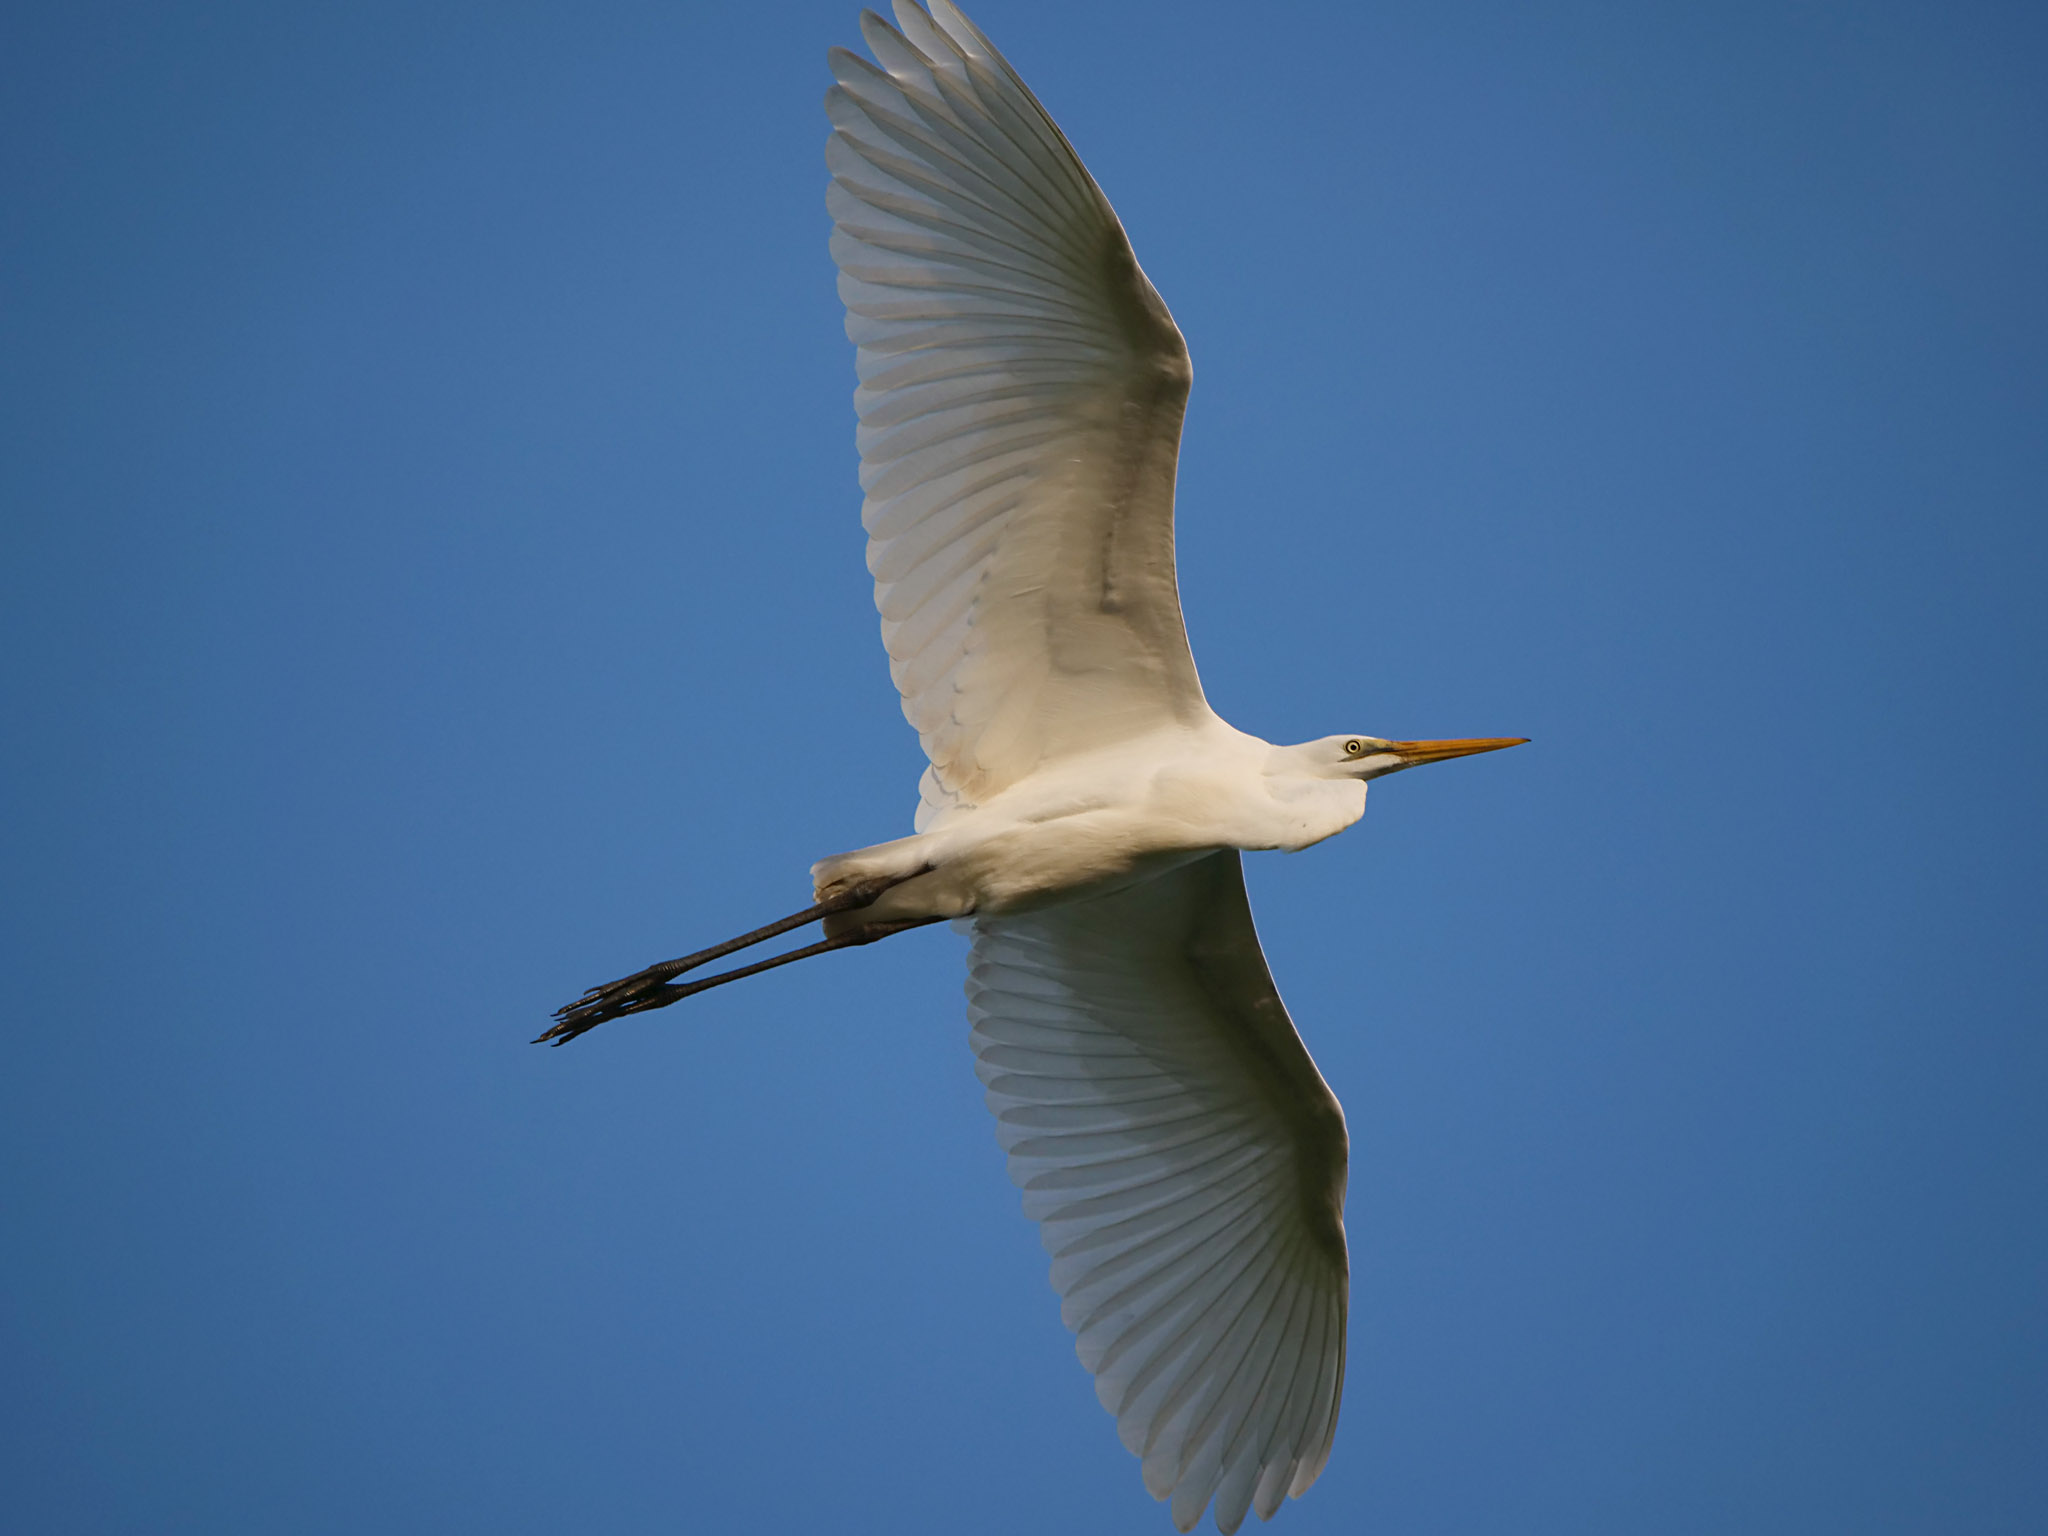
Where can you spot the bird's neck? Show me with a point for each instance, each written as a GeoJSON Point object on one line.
{"type": "Point", "coordinates": [1305, 808]}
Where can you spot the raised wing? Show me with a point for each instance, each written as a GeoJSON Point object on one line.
{"type": "Point", "coordinates": [1020, 404]}
{"type": "Point", "coordinates": [1186, 1164]}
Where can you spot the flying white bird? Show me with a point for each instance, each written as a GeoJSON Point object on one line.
{"type": "Point", "coordinates": [1021, 395]}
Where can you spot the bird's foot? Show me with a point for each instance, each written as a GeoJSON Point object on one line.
{"type": "Point", "coordinates": [615, 999]}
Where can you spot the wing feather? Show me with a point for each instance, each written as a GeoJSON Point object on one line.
{"type": "Point", "coordinates": [1186, 1164]}
{"type": "Point", "coordinates": [1022, 388]}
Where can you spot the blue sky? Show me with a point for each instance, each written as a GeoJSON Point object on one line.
{"type": "Point", "coordinates": [433, 585]}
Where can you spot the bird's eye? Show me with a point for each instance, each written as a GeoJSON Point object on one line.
{"type": "Point", "coordinates": [1353, 748]}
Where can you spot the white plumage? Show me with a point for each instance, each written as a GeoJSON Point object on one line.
{"type": "Point", "coordinates": [1020, 401]}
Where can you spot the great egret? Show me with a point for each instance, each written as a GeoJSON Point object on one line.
{"type": "Point", "coordinates": [1021, 395]}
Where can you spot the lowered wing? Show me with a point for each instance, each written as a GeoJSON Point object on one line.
{"type": "Point", "coordinates": [1186, 1164]}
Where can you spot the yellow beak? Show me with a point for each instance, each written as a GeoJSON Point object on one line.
{"type": "Point", "coordinates": [1414, 753]}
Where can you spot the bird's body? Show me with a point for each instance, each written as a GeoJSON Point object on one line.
{"type": "Point", "coordinates": [1021, 396]}
{"type": "Point", "coordinates": [1095, 822]}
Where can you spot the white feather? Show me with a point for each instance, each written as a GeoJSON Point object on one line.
{"type": "Point", "coordinates": [1022, 387]}
{"type": "Point", "coordinates": [1186, 1164]}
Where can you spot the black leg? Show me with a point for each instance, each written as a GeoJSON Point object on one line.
{"type": "Point", "coordinates": [654, 988]}
{"type": "Point", "coordinates": [641, 982]}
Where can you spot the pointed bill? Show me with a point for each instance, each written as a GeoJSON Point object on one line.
{"type": "Point", "coordinates": [1415, 753]}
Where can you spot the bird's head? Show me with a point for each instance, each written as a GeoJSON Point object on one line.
{"type": "Point", "coordinates": [1371, 757]}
